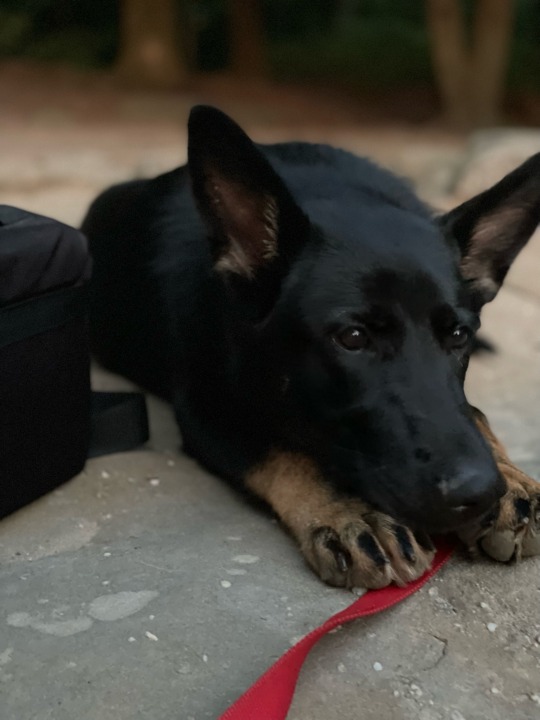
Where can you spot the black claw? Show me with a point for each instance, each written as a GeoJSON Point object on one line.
{"type": "Point", "coordinates": [367, 543]}
{"type": "Point", "coordinates": [522, 507]}
{"type": "Point", "coordinates": [343, 559]}
{"type": "Point", "coordinates": [404, 541]}
{"type": "Point", "coordinates": [424, 541]}
{"type": "Point", "coordinates": [330, 540]}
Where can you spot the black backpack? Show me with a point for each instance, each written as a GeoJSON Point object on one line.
{"type": "Point", "coordinates": [50, 422]}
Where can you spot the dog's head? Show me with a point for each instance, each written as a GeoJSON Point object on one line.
{"type": "Point", "coordinates": [365, 305]}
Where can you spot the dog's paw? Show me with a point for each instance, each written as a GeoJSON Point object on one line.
{"type": "Point", "coordinates": [350, 546]}
{"type": "Point", "coordinates": [512, 531]}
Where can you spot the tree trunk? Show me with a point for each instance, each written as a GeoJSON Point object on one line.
{"type": "Point", "coordinates": [470, 76]}
{"type": "Point", "coordinates": [246, 38]}
{"type": "Point", "coordinates": [492, 36]}
{"type": "Point", "coordinates": [447, 34]}
{"type": "Point", "coordinates": [149, 55]}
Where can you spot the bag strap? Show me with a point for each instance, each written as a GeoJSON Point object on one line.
{"type": "Point", "coordinates": [118, 422]}
{"type": "Point", "coordinates": [270, 697]}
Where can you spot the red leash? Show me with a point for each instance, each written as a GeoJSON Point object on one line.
{"type": "Point", "coordinates": [270, 697]}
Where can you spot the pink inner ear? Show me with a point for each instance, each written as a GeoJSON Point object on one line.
{"type": "Point", "coordinates": [249, 222]}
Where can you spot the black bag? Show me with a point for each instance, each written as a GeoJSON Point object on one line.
{"type": "Point", "coordinates": [49, 421]}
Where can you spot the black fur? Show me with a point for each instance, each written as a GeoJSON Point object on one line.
{"type": "Point", "coordinates": [232, 301]}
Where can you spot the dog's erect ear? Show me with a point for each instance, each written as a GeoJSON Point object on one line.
{"type": "Point", "coordinates": [255, 226]}
{"type": "Point", "coordinates": [491, 228]}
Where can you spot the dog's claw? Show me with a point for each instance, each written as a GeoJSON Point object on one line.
{"type": "Point", "coordinates": [358, 547]}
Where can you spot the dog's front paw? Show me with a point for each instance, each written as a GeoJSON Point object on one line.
{"type": "Point", "coordinates": [349, 545]}
{"type": "Point", "coordinates": [512, 531]}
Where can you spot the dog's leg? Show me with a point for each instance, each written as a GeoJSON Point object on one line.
{"type": "Point", "coordinates": [513, 530]}
{"type": "Point", "coordinates": [345, 542]}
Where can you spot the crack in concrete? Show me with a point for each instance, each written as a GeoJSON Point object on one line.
{"type": "Point", "coordinates": [440, 658]}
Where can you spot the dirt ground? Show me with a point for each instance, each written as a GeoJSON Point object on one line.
{"type": "Point", "coordinates": [144, 588]}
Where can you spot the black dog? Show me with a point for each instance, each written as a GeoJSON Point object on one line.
{"type": "Point", "coordinates": [311, 320]}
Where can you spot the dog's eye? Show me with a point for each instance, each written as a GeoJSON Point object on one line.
{"type": "Point", "coordinates": [459, 338]}
{"type": "Point", "coordinates": [352, 338]}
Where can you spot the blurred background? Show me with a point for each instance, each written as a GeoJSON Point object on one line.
{"type": "Point", "coordinates": [94, 91]}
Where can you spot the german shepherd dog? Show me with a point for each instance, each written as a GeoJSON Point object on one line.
{"type": "Point", "coordinates": [312, 320]}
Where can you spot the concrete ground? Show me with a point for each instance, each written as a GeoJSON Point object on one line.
{"type": "Point", "coordinates": [144, 588]}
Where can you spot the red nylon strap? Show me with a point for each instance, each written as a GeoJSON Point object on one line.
{"type": "Point", "coordinates": [270, 697]}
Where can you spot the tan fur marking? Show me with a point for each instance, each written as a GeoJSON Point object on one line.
{"type": "Point", "coordinates": [292, 486]}
{"type": "Point", "coordinates": [499, 453]}
{"type": "Point", "coordinates": [328, 528]}
{"type": "Point", "coordinates": [510, 535]}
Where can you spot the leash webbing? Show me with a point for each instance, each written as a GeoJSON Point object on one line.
{"type": "Point", "coordinates": [270, 697]}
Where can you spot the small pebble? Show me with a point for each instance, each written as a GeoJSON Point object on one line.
{"type": "Point", "coordinates": [205, 658]}
{"type": "Point", "coordinates": [105, 475]}
{"type": "Point", "coordinates": [154, 482]}
{"type": "Point", "coordinates": [236, 571]}
{"type": "Point", "coordinates": [225, 584]}
{"type": "Point", "coordinates": [131, 639]}
{"type": "Point", "coordinates": [495, 691]}
{"type": "Point", "coordinates": [106, 582]}
{"type": "Point", "coordinates": [416, 691]}
{"type": "Point", "coordinates": [150, 636]}
{"type": "Point", "coordinates": [485, 606]}
{"type": "Point", "coordinates": [337, 629]}
{"type": "Point", "coordinates": [396, 693]}
{"type": "Point", "coordinates": [491, 627]}
{"type": "Point", "coordinates": [377, 666]}
{"type": "Point", "coordinates": [535, 697]}
{"type": "Point", "coordinates": [151, 617]}
{"type": "Point", "coordinates": [456, 715]}
{"type": "Point", "coordinates": [170, 463]}
{"type": "Point", "coordinates": [433, 592]}
{"type": "Point", "coordinates": [107, 554]}
{"type": "Point", "coordinates": [341, 668]}
{"type": "Point", "coordinates": [246, 559]}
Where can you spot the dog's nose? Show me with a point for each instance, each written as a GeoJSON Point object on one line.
{"type": "Point", "coordinates": [472, 488]}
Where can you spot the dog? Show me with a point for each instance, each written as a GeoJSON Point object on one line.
{"type": "Point", "coordinates": [311, 320]}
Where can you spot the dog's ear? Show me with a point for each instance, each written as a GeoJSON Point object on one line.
{"type": "Point", "coordinates": [492, 228]}
{"type": "Point", "coordinates": [255, 226]}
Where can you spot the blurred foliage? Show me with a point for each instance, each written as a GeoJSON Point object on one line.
{"type": "Point", "coordinates": [357, 43]}
{"type": "Point", "coordinates": [82, 32]}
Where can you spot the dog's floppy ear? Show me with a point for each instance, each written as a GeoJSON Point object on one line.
{"type": "Point", "coordinates": [492, 228]}
{"type": "Point", "coordinates": [255, 226]}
